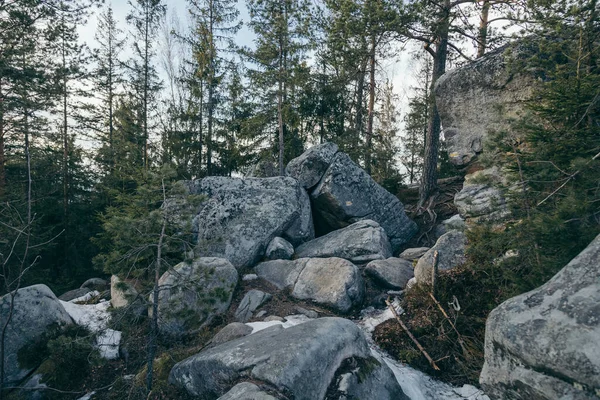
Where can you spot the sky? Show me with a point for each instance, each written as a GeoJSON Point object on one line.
{"type": "Point", "coordinates": [398, 69]}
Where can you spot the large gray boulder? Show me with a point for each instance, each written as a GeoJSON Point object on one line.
{"type": "Point", "coordinates": [246, 391]}
{"type": "Point", "coordinates": [545, 344]}
{"type": "Point", "coordinates": [481, 98]}
{"type": "Point", "coordinates": [241, 216]}
{"type": "Point", "coordinates": [193, 293]}
{"type": "Point", "coordinates": [451, 253]}
{"type": "Point", "coordinates": [360, 242]}
{"type": "Point", "coordinates": [392, 273]}
{"type": "Point", "coordinates": [309, 168]}
{"type": "Point", "coordinates": [36, 310]}
{"type": "Point", "coordinates": [333, 282]}
{"type": "Point", "coordinates": [346, 194]}
{"type": "Point", "coordinates": [300, 361]}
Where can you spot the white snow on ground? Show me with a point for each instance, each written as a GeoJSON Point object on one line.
{"type": "Point", "coordinates": [86, 297]}
{"type": "Point", "coordinates": [290, 321]}
{"type": "Point", "coordinates": [95, 317]}
{"type": "Point", "coordinates": [87, 396]}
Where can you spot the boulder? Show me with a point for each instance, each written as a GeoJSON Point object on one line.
{"type": "Point", "coordinates": [230, 332]}
{"type": "Point", "coordinates": [246, 391]}
{"type": "Point", "coordinates": [333, 282]}
{"type": "Point", "coordinates": [98, 284]}
{"type": "Point", "coordinates": [481, 196]}
{"type": "Point", "coordinates": [251, 301]}
{"type": "Point", "coordinates": [392, 273]}
{"type": "Point", "coordinates": [193, 293]}
{"type": "Point", "coordinates": [414, 253]}
{"type": "Point", "coordinates": [73, 294]}
{"type": "Point", "coordinates": [347, 194]}
{"type": "Point", "coordinates": [241, 216]}
{"type": "Point", "coordinates": [451, 253]}
{"type": "Point", "coordinates": [489, 86]}
{"type": "Point", "coordinates": [279, 249]}
{"type": "Point", "coordinates": [360, 242]}
{"type": "Point", "coordinates": [454, 223]}
{"type": "Point", "coordinates": [309, 168]}
{"type": "Point", "coordinates": [123, 294]}
{"type": "Point", "coordinates": [545, 344]}
{"type": "Point", "coordinates": [281, 273]}
{"type": "Point", "coordinates": [300, 361]}
{"type": "Point", "coordinates": [36, 311]}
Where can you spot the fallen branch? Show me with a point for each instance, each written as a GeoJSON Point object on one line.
{"type": "Point", "coordinates": [408, 332]}
{"type": "Point", "coordinates": [434, 272]}
{"type": "Point", "coordinates": [466, 353]}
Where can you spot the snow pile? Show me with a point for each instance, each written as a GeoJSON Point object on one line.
{"type": "Point", "coordinates": [95, 317]}
{"type": "Point", "coordinates": [290, 321]}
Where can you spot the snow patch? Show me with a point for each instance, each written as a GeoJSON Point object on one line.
{"type": "Point", "coordinates": [86, 297]}
{"type": "Point", "coordinates": [290, 321]}
{"type": "Point", "coordinates": [95, 317]}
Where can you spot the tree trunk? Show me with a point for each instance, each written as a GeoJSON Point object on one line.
{"type": "Point", "coordinates": [146, 83]}
{"type": "Point", "coordinates": [65, 156]}
{"type": "Point", "coordinates": [369, 145]}
{"type": "Point", "coordinates": [358, 125]}
{"type": "Point", "coordinates": [155, 291]}
{"type": "Point", "coordinates": [429, 179]}
{"type": "Point", "coordinates": [483, 29]}
{"type": "Point", "coordinates": [211, 75]}
{"type": "Point", "coordinates": [280, 108]}
{"type": "Point", "coordinates": [2, 154]}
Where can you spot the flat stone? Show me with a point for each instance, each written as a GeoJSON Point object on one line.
{"type": "Point", "coordinates": [230, 332]}
{"type": "Point", "coordinates": [414, 253]}
{"type": "Point", "coordinates": [360, 242]}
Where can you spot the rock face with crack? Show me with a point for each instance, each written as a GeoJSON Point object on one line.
{"type": "Point", "coordinates": [192, 294]}
{"type": "Point", "coordinates": [240, 217]}
{"type": "Point", "coordinates": [360, 242]}
{"type": "Point", "coordinates": [36, 310]}
{"type": "Point", "coordinates": [545, 344]}
{"type": "Point", "coordinates": [488, 86]}
{"type": "Point", "coordinates": [451, 253]}
{"type": "Point", "coordinates": [310, 167]}
{"type": "Point", "coordinates": [333, 282]}
{"type": "Point", "coordinates": [301, 361]}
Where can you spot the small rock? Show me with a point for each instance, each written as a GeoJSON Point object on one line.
{"type": "Point", "coordinates": [392, 273]}
{"type": "Point", "coordinates": [411, 283]}
{"type": "Point", "coordinates": [414, 253]}
{"type": "Point", "coordinates": [454, 223]}
{"type": "Point", "coordinates": [230, 332]}
{"type": "Point", "coordinates": [451, 253]}
{"type": "Point", "coordinates": [279, 249]}
{"type": "Point", "coordinates": [261, 314]}
{"type": "Point", "coordinates": [122, 293]}
{"type": "Point", "coordinates": [309, 313]}
{"type": "Point", "coordinates": [251, 301]}
{"type": "Point", "coordinates": [73, 294]}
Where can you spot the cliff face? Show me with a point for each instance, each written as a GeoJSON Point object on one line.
{"type": "Point", "coordinates": [480, 98]}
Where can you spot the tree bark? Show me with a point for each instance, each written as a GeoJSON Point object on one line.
{"type": "Point", "coordinates": [280, 108]}
{"type": "Point", "coordinates": [369, 143]}
{"type": "Point", "coordinates": [483, 29]}
{"type": "Point", "coordinates": [211, 74]}
{"type": "Point", "coordinates": [429, 179]}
